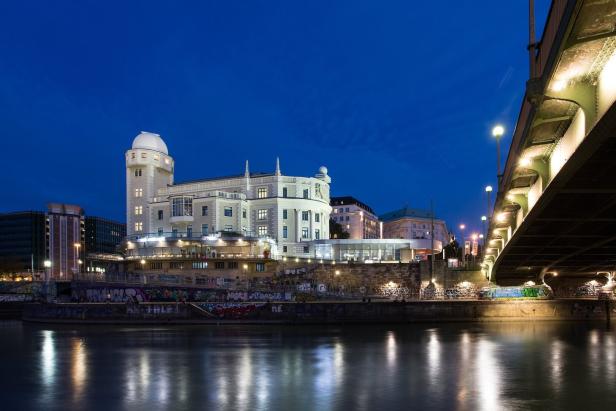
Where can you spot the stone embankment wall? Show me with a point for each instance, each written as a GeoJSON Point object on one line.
{"type": "Point", "coordinates": [322, 313]}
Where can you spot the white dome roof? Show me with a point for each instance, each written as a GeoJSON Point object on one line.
{"type": "Point", "coordinates": [150, 141]}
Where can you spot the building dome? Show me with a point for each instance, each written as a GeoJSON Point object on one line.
{"type": "Point", "coordinates": [323, 170]}
{"type": "Point", "coordinates": [150, 141]}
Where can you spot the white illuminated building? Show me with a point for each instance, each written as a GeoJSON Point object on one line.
{"type": "Point", "coordinates": [293, 211]}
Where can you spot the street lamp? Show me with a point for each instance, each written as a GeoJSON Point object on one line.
{"type": "Point", "coordinates": [77, 257]}
{"type": "Point", "coordinates": [462, 227]}
{"type": "Point", "coordinates": [497, 133]}
{"type": "Point", "coordinates": [47, 265]}
{"type": "Point", "coordinates": [488, 192]}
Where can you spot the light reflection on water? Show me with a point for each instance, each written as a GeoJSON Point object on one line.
{"type": "Point", "coordinates": [450, 366]}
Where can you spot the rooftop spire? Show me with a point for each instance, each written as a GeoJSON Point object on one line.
{"type": "Point", "coordinates": [278, 166]}
{"type": "Point", "coordinates": [246, 170]}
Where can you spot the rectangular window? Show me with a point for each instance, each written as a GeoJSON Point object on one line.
{"type": "Point", "coordinates": [304, 232]}
{"type": "Point", "coordinates": [199, 265]}
{"type": "Point", "coordinates": [262, 230]}
{"type": "Point", "coordinates": [284, 214]}
{"type": "Point", "coordinates": [176, 265]}
{"type": "Point", "coordinates": [306, 249]}
{"type": "Point", "coordinates": [306, 191]}
{"type": "Point", "coordinates": [174, 232]}
{"type": "Point", "coordinates": [181, 206]}
{"type": "Point", "coordinates": [219, 265]}
{"type": "Point", "coordinates": [137, 172]}
{"type": "Point", "coordinates": [284, 248]}
{"type": "Point", "coordinates": [262, 214]}
{"type": "Point", "coordinates": [317, 234]}
{"type": "Point", "coordinates": [132, 155]}
{"type": "Point", "coordinates": [139, 192]}
{"type": "Point", "coordinates": [160, 231]}
{"type": "Point", "coordinates": [144, 155]}
{"type": "Point", "coordinates": [304, 215]}
{"type": "Point", "coordinates": [204, 229]}
{"type": "Point", "coordinates": [232, 265]}
{"type": "Point", "coordinates": [317, 218]}
{"type": "Point", "coordinates": [285, 231]}
{"type": "Point", "coordinates": [341, 210]}
{"type": "Point", "coordinates": [138, 210]}
{"type": "Point", "coordinates": [262, 192]}
{"type": "Point", "coordinates": [160, 214]}
{"type": "Point", "coordinates": [347, 218]}
{"type": "Point", "coordinates": [189, 231]}
{"type": "Point", "coordinates": [138, 226]}
{"type": "Point", "coordinates": [228, 211]}
{"type": "Point", "coordinates": [284, 192]}
{"type": "Point", "coordinates": [260, 267]}
{"type": "Point", "coordinates": [346, 209]}
{"type": "Point", "coordinates": [156, 265]}
{"type": "Point", "coordinates": [243, 213]}
{"type": "Point", "coordinates": [203, 210]}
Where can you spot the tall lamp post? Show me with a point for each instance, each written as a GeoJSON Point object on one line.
{"type": "Point", "coordinates": [497, 133]}
{"type": "Point", "coordinates": [485, 233]}
{"type": "Point", "coordinates": [462, 227]}
{"type": "Point", "coordinates": [488, 193]}
{"type": "Point", "coordinates": [77, 258]}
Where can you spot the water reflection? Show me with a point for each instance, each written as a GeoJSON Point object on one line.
{"type": "Point", "coordinates": [48, 359]}
{"type": "Point", "coordinates": [488, 375]}
{"type": "Point", "coordinates": [446, 367]}
{"type": "Point", "coordinates": [79, 368]}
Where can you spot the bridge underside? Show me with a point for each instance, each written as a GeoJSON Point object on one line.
{"type": "Point", "coordinates": [572, 228]}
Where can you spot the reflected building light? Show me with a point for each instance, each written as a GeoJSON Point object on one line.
{"type": "Point", "coordinates": [594, 352]}
{"type": "Point", "coordinates": [162, 372]}
{"type": "Point", "coordinates": [243, 380]}
{"type": "Point", "coordinates": [391, 351]}
{"type": "Point", "coordinates": [48, 358]}
{"type": "Point", "coordinates": [263, 384]}
{"type": "Point", "coordinates": [79, 367]}
{"type": "Point", "coordinates": [488, 376]}
{"type": "Point", "coordinates": [610, 360]}
{"type": "Point", "coordinates": [434, 361]}
{"type": "Point", "coordinates": [557, 365]}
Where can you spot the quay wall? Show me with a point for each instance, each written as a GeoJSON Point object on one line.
{"type": "Point", "coordinates": [323, 312]}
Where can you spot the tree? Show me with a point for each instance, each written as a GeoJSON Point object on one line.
{"type": "Point", "coordinates": [336, 230]}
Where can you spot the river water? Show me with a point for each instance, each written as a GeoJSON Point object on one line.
{"type": "Point", "coordinates": [529, 365]}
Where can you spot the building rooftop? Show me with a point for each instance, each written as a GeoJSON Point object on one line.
{"type": "Point", "coordinates": [345, 200]}
{"type": "Point", "coordinates": [405, 212]}
{"type": "Point", "coordinates": [202, 180]}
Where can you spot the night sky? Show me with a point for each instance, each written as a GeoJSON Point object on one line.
{"type": "Point", "coordinates": [396, 98]}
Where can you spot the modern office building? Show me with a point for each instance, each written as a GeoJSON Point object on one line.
{"type": "Point", "coordinates": [65, 240]}
{"type": "Point", "coordinates": [374, 250]}
{"type": "Point", "coordinates": [290, 210]}
{"type": "Point", "coordinates": [356, 218]}
{"type": "Point", "coordinates": [103, 235]}
{"type": "Point", "coordinates": [410, 223]}
{"type": "Point", "coordinates": [22, 242]}
{"type": "Point", "coordinates": [102, 243]}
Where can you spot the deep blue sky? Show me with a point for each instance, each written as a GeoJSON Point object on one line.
{"type": "Point", "coordinates": [396, 98]}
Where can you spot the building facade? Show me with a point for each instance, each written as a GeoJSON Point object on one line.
{"type": "Point", "coordinates": [103, 239]}
{"type": "Point", "coordinates": [22, 242]}
{"type": "Point", "coordinates": [409, 223]}
{"type": "Point", "coordinates": [65, 240]}
{"type": "Point", "coordinates": [290, 210]}
{"type": "Point", "coordinates": [356, 218]}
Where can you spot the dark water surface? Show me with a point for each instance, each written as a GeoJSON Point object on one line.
{"type": "Point", "coordinates": [446, 366]}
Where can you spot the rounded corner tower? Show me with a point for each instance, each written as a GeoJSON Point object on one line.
{"type": "Point", "coordinates": [148, 168]}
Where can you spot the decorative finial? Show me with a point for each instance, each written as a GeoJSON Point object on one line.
{"type": "Point", "coordinates": [246, 170]}
{"type": "Point", "coordinates": [278, 166]}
